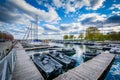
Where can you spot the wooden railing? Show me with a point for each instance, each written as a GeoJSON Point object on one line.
{"type": "Point", "coordinates": [7, 65]}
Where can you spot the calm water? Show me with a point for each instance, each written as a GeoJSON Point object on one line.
{"type": "Point", "coordinates": [113, 74]}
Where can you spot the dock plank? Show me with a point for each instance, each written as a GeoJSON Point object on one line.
{"type": "Point", "coordinates": [24, 67]}
{"type": "Point", "coordinates": [90, 70]}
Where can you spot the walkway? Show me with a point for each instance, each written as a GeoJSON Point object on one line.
{"type": "Point", "coordinates": [90, 70]}
{"type": "Point", "coordinates": [24, 67]}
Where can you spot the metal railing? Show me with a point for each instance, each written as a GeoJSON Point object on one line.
{"type": "Point", "coordinates": [2, 54]}
{"type": "Point", "coordinates": [7, 65]}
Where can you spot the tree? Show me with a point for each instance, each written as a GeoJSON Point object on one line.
{"type": "Point", "coordinates": [114, 36]}
{"type": "Point", "coordinates": [92, 33]}
{"type": "Point", "coordinates": [80, 36]}
{"type": "Point", "coordinates": [118, 36]}
{"type": "Point", "coordinates": [65, 37]}
{"type": "Point", "coordinates": [71, 36]}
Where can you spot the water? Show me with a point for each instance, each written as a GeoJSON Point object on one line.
{"type": "Point", "coordinates": [113, 73]}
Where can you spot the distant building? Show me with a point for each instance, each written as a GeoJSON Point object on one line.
{"type": "Point", "coordinates": [5, 36]}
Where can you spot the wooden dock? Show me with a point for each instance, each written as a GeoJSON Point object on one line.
{"type": "Point", "coordinates": [90, 70]}
{"type": "Point", "coordinates": [40, 47]}
{"type": "Point", "coordinates": [24, 67]}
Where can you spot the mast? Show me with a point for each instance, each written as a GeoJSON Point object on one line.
{"type": "Point", "coordinates": [36, 28]}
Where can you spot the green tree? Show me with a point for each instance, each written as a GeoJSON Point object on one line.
{"type": "Point", "coordinates": [92, 33]}
{"type": "Point", "coordinates": [118, 36]}
{"type": "Point", "coordinates": [65, 37]}
{"type": "Point", "coordinates": [80, 36]}
{"type": "Point", "coordinates": [71, 36]}
{"type": "Point", "coordinates": [115, 36]}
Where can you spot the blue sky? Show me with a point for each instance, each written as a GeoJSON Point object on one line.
{"type": "Point", "coordinates": [58, 17]}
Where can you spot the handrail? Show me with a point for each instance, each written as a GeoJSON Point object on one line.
{"type": "Point", "coordinates": [7, 65]}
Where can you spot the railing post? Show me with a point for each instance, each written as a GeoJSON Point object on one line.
{"type": "Point", "coordinates": [8, 65]}
{"type": "Point", "coordinates": [13, 58]}
{"type": "Point", "coordinates": [4, 70]}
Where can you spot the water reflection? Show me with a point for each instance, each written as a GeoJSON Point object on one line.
{"type": "Point", "coordinates": [114, 73]}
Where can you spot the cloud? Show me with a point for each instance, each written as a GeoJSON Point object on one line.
{"type": "Point", "coordinates": [91, 18]}
{"type": "Point", "coordinates": [72, 27]}
{"type": "Point", "coordinates": [115, 6]}
{"type": "Point", "coordinates": [51, 28]}
{"type": "Point", "coordinates": [116, 12]}
{"type": "Point", "coordinates": [27, 8]}
{"type": "Point", "coordinates": [10, 14]}
{"type": "Point", "coordinates": [16, 8]}
{"type": "Point", "coordinates": [69, 7]}
{"type": "Point", "coordinates": [96, 4]}
{"type": "Point", "coordinates": [113, 19]}
{"type": "Point", "coordinates": [72, 5]}
{"type": "Point", "coordinates": [57, 3]}
{"type": "Point", "coordinates": [17, 32]}
{"type": "Point", "coordinates": [110, 29]}
{"type": "Point", "coordinates": [95, 19]}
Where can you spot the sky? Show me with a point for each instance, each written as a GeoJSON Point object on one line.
{"type": "Point", "coordinates": [55, 18]}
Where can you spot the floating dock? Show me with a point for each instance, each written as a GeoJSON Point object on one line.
{"type": "Point", "coordinates": [24, 67]}
{"type": "Point", "coordinates": [90, 70]}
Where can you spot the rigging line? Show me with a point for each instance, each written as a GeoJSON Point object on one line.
{"type": "Point", "coordinates": [26, 32]}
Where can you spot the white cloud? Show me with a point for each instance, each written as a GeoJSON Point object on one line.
{"type": "Point", "coordinates": [40, 2]}
{"type": "Point", "coordinates": [72, 5]}
{"type": "Point", "coordinates": [32, 11]}
{"type": "Point", "coordinates": [69, 8]}
{"type": "Point", "coordinates": [76, 4]}
{"type": "Point", "coordinates": [93, 17]}
{"type": "Point", "coordinates": [109, 29]}
{"type": "Point", "coordinates": [116, 13]}
{"type": "Point", "coordinates": [51, 28]}
{"type": "Point", "coordinates": [115, 6]}
{"type": "Point", "coordinates": [72, 27]}
{"type": "Point", "coordinates": [57, 3]}
{"type": "Point", "coordinates": [95, 4]}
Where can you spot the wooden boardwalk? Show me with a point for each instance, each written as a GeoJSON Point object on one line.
{"type": "Point", "coordinates": [90, 70]}
{"type": "Point", "coordinates": [24, 67]}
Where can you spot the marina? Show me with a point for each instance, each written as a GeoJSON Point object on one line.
{"type": "Point", "coordinates": [59, 40]}
{"type": "Point", "coordinates": [23, 58]}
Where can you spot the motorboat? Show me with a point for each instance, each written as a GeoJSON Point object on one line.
{"type": "Point", "coordinates": [115, 50]}
{"type": "Point", "coordinates": [88, 43]}
{"type": "Point", "coordinates": [108, 47]}
{"type": "Point", "coordinates": [66, 51]}
{"type": "Point", "coordinates": [63, 59]}
{"type": "Point", "coordinates": [49, 67]}
{"type": "Point", "coordinates": [90, 54]}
